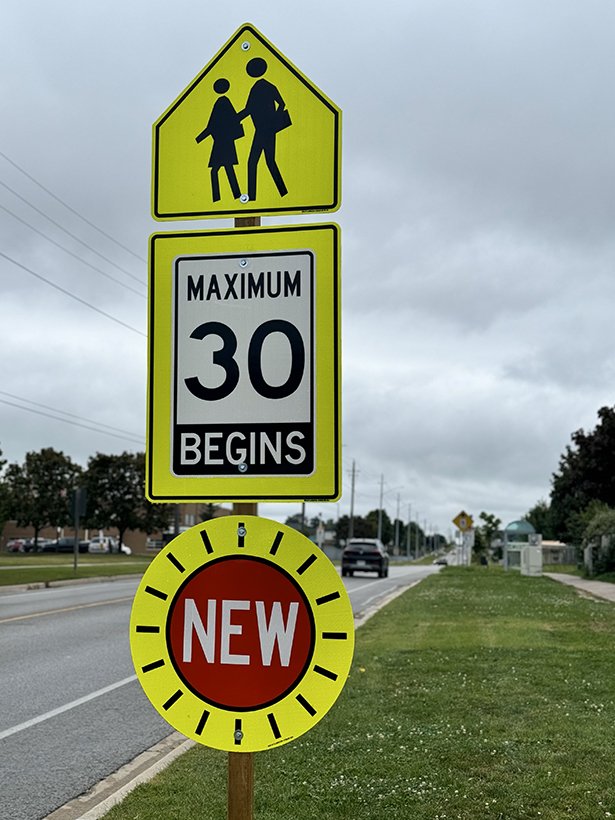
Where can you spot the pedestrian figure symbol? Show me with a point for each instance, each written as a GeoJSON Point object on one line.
{"type": "Point", "coordinates": [266, 108]}
{"type": "Point", "coordinates": [224, 127]}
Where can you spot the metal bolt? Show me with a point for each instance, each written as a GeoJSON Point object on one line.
{"type": "Point", "coordinates": [241, 532]}
{"type": "Point", "coordinates": [238, 735]}
{"type": "Point", "coordinates": [244, 198]}
{"type": "Point", "coordinates": [245, 46]}
{"type": "Point", "coordinates": [243, 467]}
{"type": "Point", "coordinates": [243, 262]}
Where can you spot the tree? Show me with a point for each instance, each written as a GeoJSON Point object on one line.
{"type": "Point", "coordinates": [586, 473]}
{"type": "Point", "coordinates": [371, 520]}
{"type": "Point", "coordinates": [540, 518]}
{"type": "Point", "coordinates": [600, 533]}
{"type": "Point", "coordinates": [489, 529]}
{"type": "Point", "coordinates": [297, 523]}
{"type": "Point", "coordinates": [40, 490]}
{"type": "Point", "coordinates": [208, 511]}
{"type": "Point", "coordinates": [115, 486]}
{"type": "Point", "coordinates": [4, 495]}
{"type": "Point", "coordinates": [361, 528]}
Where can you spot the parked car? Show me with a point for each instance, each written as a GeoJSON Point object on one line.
{"type": "Point", "coordinates": [106, 543]}
{"type": "Point", "coordinates": [365, 555]}
{"type": "Point", "coordinates": [442, 561]}
{"type": "Point", "coordinates": [65, 545]}
{"type": "Point", "coordinates": [100, 544]}
{"type": "Point", "coordinates": [15, 545]}
{"type": "Point", "coordinates": [31, 546]}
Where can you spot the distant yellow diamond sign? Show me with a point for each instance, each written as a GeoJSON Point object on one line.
{"type": "Point", "coordinates": [463, 521]}
{"type": "Point", "coordinates": [249, 135]}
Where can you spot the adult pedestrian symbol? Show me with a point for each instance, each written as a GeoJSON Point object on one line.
{"type": "Point", "coordinates": [249, 135]}
{"type": "Point", "coordinates": [244, 365]}
{"type": "Point", "coordinates": [242, 633]}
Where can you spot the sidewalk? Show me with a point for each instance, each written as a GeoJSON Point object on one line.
{"type": "Point", "coordinates": [600, 589]}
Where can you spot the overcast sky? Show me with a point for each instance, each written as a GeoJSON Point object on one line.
{"type": "Point", "coordinates": [477, 229]}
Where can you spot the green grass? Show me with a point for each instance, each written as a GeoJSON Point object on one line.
{"type": "Point", "coordinates": [35, 568]}
{"type": "Point", "coordinates": [568, 569]}
{"type": "Point", "coordinates": [477, 694]}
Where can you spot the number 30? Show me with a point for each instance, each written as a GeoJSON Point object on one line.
{"type": "Point", "coordinates": [224, 357]}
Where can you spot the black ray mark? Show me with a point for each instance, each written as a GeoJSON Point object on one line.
{"type": "Point", "coordinates": [335, 636]}
{"type": "Point", "coordinates": [326, 598]}
{"type": "Point", "coordinates": [154, 665]}
{"type": "Point", "coordinates": [274, 726]}
{"type": "Point", "coordinates": [206, 542]}
{"type": "Point", "coordinates": [276, 542]}
{"type": "Point", "coordinates": [156, 593]}
{"type": "Point", "coordinates": [201, 723]}
{"type": "Point", "coordinates": [176, 563]}
{"type": "Point", "coordinates": [173, 699]}
{"type": "Point", "coordinates": [306, 705]}
{"type": "Point", "coordinates": [326, 673]}
{"type": "Point", "coordinates": [151, 630]}
{"type": "Point", "coordinates": [306, 564]}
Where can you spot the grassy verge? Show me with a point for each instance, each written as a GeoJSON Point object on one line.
{"type": "Point", "coordinates": [477, 694]}
{"type": "Point", "coordinates": [43, 568]}
{"type": "Point", "coordinates": [568, 569]}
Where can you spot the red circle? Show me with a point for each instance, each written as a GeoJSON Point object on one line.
{"type": "Point", "coordinates": [240, 633]}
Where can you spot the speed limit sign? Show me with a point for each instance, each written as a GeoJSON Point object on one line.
{"type": "Point", "coordinates": [244, 365]}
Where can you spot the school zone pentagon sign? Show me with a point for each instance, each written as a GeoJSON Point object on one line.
{"type": "Point", "coordinates": [250, 135]}
{"type": "Point", "coordinates": [242, 634]}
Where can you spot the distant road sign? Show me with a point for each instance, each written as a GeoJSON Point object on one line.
{"type": "Point", "coordinates": [463, 521]}
{"type": "Point", "coordinates": [242, 633]}
{"type": "Point", "coordinates": [244, 365]}
{"type": "Point", "coordinates": [250, 135]}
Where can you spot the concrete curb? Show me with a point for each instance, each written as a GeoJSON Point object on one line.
{"type": "Point", "coordinates": [101, 798]}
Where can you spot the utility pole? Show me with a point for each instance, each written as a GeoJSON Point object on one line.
{"type": "Point", "coordinates": [351, 521]}
{"type": "Point", "coordinates": [380, 508]}
{"type": "Point", "coordinates": [408, 531]}
{"type": "Point", "coordinates": [416, 537]}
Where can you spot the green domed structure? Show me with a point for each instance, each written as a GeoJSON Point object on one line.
{"type": "Point", "coordinates": [518, 531]}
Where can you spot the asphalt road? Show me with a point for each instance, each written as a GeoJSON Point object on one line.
{"type": "Point", "coordinates": [72, 710]}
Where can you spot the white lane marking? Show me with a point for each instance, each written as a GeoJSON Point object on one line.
{"type": "Point", "coordinates": [67, 707]}
{"type": "Point", "coordinates": [72, 608]}
{"type": "Point", "coordinates": [363, 586]}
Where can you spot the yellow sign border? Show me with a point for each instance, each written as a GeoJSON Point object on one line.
{"type": "Point", "coordinates": [324, 483]}
{"type": "Point", "coordinates": [310, 698]}
{"type": "Point", "coordinates": [332, 165]}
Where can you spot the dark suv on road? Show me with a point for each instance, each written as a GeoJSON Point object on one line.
{"type": "Point", "coordinates": [365, 555]}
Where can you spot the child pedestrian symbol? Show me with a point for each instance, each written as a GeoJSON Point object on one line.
{"type": "Point", "coordinates": [225, 128]}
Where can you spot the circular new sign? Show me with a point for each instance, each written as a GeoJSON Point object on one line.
{"type": "Point", "coordinates": [242, 634]}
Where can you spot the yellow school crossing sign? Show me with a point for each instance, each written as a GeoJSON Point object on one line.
{"type": "Point", "coordinates": [250, 135]}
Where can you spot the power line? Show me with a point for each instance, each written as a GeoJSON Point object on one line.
{"type": "Point", "coordinates": [68, 207]}
{"type": "Point", "coordinates": [69, 421]}
{"type": "Point", "coordinates": [69, 233]}
{"type": "Point", "coordinates": [72, 295]}
{"type": "Point", "coordinates": [66, 413]}
{"type": "Point", "coordinates": [66, 250]}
